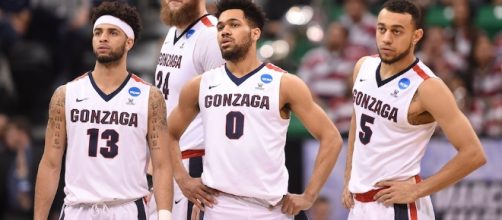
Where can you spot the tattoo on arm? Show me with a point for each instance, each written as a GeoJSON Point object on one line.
{"type": "Point", "coordinates": [57, 117]}
{"type": "Point", "coordinates": [157, 121]}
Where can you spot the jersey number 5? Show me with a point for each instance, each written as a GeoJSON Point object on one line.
{"type": "Point", "coordinates": [365, 134]}
{"type": "Point", "coordinates": [111, 136]}
{"type": "Point", "coordinates": [163, 85]}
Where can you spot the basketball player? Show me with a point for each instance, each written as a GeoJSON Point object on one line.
{"type": "Point", "coordinates": [245, 107]}
{"type": "Point", "coordinates": [112, 122]}
{"type": "Point", "coordinates": [190, 48]}
{"type": "Point", "coordinates": [398, 102]}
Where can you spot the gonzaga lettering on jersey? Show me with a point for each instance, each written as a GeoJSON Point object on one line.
{"type": "Point", "coordinates": [377, 106]}
{"type": "Point", "coordinates": [106, 134]}
{"type": "Point", "coordinates": [177, 65]}
{"type": "Point", "coordinates": [170, 60]}
{"type": "Point", "coordinates": [387, 146]}
{"type": "Point", "coordinates": [237, 99]}
{"type": "Point", "coordinates": [241, 124]}
{"type": "Point", "coordinates": [104, 117]}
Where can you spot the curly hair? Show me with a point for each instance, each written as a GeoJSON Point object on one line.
{"type": "Point", "coordinates": [121, 10]}
{"type": "Point", "coordinates": [252, 12]}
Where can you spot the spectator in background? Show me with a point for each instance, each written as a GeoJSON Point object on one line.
{"type": "Point", "coordinates": [487, 87]}
{"type": "Point", "coordinates": [462, 33]}
{"type": "Point", "coordinates": [435, 48]}
{"type": "Point", "coordinates": [321, 210]}
{"type": "Point", "coordinates": [327, 70]}
{"type": "Point", "coordinates": [3, 165]}
{"type": "Point", "coordinates": [14, 22]}
{"type": "Point", "coordinates": [28, 55]}
{"type": "Point", "coordinates": [361, 24]}
{"type": "Point", "coordinates": [7, 89]}
{"type": "Point", "coordinates": [437, 53]}
{"type": "Point", "coordinates": [74, 52]}
{"type": "Point", "coordinates": [20, 158]}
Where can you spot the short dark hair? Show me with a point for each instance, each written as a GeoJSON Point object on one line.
{"type": "Point", "coordinates": [405, 6]}
{"type": "Point", "coordinates": [121, 10]}
{"type": "Point", "coordinates": [252, 12]}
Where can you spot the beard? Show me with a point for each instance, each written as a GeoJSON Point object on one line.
{"type": "Point", "coordinates": [185, 15]}
{"type": "Point", "coordinates": [114, 56]}
{"type": "Point", "coordinates": [237, 53]}
{"type": "Point", "coordinates": [396, 58]}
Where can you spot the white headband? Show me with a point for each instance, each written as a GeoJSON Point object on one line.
{"type": "Point", "coordinates": [108, 19]}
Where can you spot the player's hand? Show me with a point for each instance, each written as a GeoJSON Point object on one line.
{"type": "Point", "coordinates": [198, 193]}
{"type": "Point", "coordinates": [396, 192]}
{"type": "Point", "coordinates": [292, 204]}
{"type": "Point", "coordinates": [347, 198]}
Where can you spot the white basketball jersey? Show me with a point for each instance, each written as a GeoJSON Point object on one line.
{"type": "Point", "coordinates": [181, 59]}
{"type": "Point", "coordinates": [387, 146]}
{"type": "Point", "coordinates": [244, 132]}
{"type": "Point", "coordinates": [107, 151]}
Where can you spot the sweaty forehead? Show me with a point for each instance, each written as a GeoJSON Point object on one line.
{"type": "Point", "coordinates": [231, 14]}
{"type": "Point", "coordinates": [389, 18]}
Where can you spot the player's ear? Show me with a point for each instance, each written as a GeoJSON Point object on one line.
{"type": "Point", "coordinates": [129, 43]}
{"type": "Point", "coordinates": [417, 35]}
{"type": "Point", "coordinates": [255, 33]}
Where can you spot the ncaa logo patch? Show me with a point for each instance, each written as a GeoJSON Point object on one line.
{"type": "Point", "coordinates": [134, 91]}
{"type": "Point", "coordinates": [404, 83]}
{"type": "Point", "coordinates": [190, 33]}
{"type": "Point", "coordinates": [266, 78]}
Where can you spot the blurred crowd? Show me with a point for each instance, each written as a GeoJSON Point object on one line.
{"type": "Point", "coordinates": [45, 43]}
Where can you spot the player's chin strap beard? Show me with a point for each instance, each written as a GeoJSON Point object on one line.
{"type": "Point", "coordinates": [100, 212]}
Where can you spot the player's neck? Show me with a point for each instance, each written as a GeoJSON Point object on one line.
{"type": "Point", "coordinates": [388, 70]}
{"type": "Point", "coordinates": [109, 77]}
{"type": "Point", "coordinates": [202, 12]}
{"type": "Point", "coordinates": [244, 66]}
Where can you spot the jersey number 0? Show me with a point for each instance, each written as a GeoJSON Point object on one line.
{"type": "Point", "coordinates": [235, 125]}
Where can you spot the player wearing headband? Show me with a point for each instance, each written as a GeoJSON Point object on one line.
{"type": "Point", "coordinates": [110, 123]}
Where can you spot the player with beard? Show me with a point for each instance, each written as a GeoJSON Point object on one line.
{"type": "Point", "coordinates": [190, 48]}
{"type": "Point", "coordinates": [112, 123]}
{"type": "Point", "coordinates": [398, 101]}
{"type": "Point", "coordinates": [245, 106]}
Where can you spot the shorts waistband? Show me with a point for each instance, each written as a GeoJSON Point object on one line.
{"type": "Point", "coordinates": [192, 153]}
{"type": "Point", "coordinates": [253, 200]}
{"type": "Point", "coordinates": [107, 203]}
{"type": "Point", "coordinates": [368, 196]}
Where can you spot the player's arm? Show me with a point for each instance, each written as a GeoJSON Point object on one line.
{"type": "Point", "coordinates": [159, 153]}
{"type": "Point", "coordinates": [49, 168]}
{"type": "Point", "coordinates": [296, 95]}
{"type": "Point", "coordinates": [347, 199]}
{"type": "Point", "coordinates": [435, 98]}
{"type": "Point", "coordinates": [179, 119]}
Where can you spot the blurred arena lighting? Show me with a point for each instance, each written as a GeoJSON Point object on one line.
{"type": "Point", "coordinates": [315, 33]}
{"type": "Point", "coordinates": [498, 11]}
{"type": "Point", "coordinates": [266, 51]}
{"type": "Point", "coordinates": [299, 15]}
{"type": "Point", "coordinates": [448, 13]}
{"type": "Point", "coordinates": [274, 50]}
